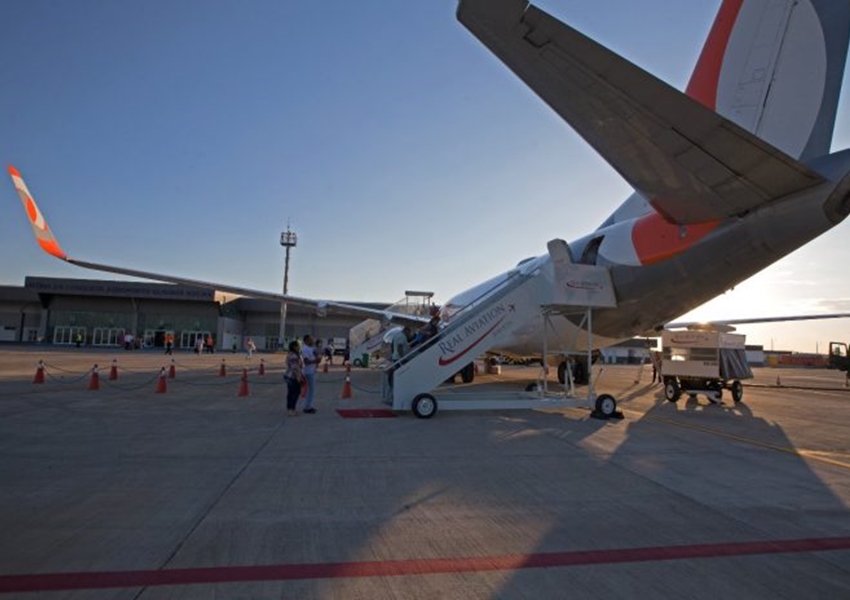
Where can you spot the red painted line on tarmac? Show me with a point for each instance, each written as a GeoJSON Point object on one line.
{"type": "Point", "coordinates": [51, 582]}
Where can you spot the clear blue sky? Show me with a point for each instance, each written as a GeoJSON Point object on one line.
{"type": "Point", "coordinates": [182, 136]}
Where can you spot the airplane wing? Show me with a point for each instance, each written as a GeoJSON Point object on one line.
{"type": "Point", "coordinates": [727, 323]}
{"type": "Point", "coordinates": [690, 163]}
{"type": "Point", "coordinates": [48, 242]}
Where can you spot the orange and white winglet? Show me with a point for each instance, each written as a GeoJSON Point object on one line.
{"type": "Point", "coordinates": [42, 232]}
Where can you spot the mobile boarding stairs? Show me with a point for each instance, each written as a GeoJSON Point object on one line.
{"type": "Point", "coordinates": [490, 321]}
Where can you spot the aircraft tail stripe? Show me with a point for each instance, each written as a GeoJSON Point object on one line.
{"type": "Point", "coordinates": [775, 68]}
{"type": "Point", "coordinates": [706, 76]}
{"type": "Point", "coordinates": [655, 239]}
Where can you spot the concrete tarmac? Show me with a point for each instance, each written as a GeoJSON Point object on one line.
{"type": "Point", "coordinates": [197, 492]}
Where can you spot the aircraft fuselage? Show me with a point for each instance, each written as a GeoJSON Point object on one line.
{"type": "Point", "coordinates": [651, 295]}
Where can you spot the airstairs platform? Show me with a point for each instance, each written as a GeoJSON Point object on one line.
{"type": "Point", "coordinates": [367, 337]}
{"type": "Point", "coordinates": [534, 290]}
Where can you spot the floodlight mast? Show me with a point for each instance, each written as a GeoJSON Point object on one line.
{"type": "Point", "coordinates": [288, 239]}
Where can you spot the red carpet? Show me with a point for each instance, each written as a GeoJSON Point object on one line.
{"type": "Point", "coordinates": [365, 413]}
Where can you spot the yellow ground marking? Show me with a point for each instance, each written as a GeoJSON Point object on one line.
{"type": "Point", "coordinates": [820, 456]}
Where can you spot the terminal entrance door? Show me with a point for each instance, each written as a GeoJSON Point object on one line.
{"type": "Point", "coordinates": [187, 338]}
{"type": "Point", "coordinates": [106, 336]}
{"type": "Point", "coordinates": [155, 338]}
{"type": "Point", "coordinates": [65, 335]}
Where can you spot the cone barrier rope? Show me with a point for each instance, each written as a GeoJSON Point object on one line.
{"type": "Point", "coordinates": [94, 380]}
{"type": "Point", "coordinates": [39, 373]}
{"type": "Point", "coordinates": [243, 384]}
{"type": "Point", "coordinates": [171, 372]}
{"type": "Point", "coordinates": [262, 370]}
{"type": "Point", "coordinates": [161, 387]}
{"type": "Point", "coordinates": [346, 387]}
{"type": "Point", "coordinates": [113, 371]}
{"type": "Point", "coordinates": [222, 371]}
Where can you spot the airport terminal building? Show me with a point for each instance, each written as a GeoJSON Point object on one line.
{"type": "Point", "coordinates": [101, 313]}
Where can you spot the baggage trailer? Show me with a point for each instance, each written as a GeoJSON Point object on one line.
{"type": "Point", "coordinates": [703, 362]}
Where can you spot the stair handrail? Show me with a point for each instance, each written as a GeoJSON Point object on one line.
{"type": "Point", "coordinates": [515, 276]}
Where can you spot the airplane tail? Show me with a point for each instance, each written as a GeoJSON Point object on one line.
{"type": "Point", "coordinates": [775, 67]}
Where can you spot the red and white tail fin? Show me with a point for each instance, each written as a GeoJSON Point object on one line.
{"type": "Point", "coordinates": [43, 235]}
{"type": "Point", "coordinates": [775, 68]}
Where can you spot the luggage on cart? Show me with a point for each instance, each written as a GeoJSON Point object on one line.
{"type": "Point", "coordinates": [704, 362]}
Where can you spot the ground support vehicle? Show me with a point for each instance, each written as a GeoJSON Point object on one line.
{"type": "Point", "coordinates": [703, 362]}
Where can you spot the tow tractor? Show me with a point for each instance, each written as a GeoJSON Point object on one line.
{"type": "Point", "coordinates": [839, 357]}
{"type": "Point", "coordinates": [705, 361]}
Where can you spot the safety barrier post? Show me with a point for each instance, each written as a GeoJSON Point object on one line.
{"type": "Point", "coordinates": [94, 380]}
{"type": "Point", "coordinates": [39, 373]}
{"type": "Point", "coordinates": [346, 387]}
{"type": "Point", "coordinates": [243, 384]}
{"type": "Point", "coordinates": [161, 387]}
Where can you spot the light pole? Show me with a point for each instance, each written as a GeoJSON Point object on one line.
{"type": "Point", "coordinates": [288, 239]}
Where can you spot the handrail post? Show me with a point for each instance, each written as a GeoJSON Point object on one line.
{"type": "Point", "coordinates": [590, 393]}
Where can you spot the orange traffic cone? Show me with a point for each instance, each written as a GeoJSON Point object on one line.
{"type": "Point", "coordinates": [243, 384]}
{"type": "Point", "coordinates": [346, 387]}
{"type": "Point", "coordinates": [171, 372]}
{"type": "Point", "coordinates": [262, 370]}
{"type": "Point", "coordinates": [39, 373]}
{"type": "Point", "coordinates": [325, 367]}
{"type": "Point", "coordinates": [113, 371]}
{"type": "Point", "coordinates": [221, 370]}
{"type": "Point", "coordinates": [161, 388]}
{"type": "Point", "coordinates": [778, 382]}
{"type": "Point", "coordinates": [94, 380]}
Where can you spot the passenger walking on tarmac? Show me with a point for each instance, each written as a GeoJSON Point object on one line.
{"type": "Point", "coordinates": [199, 345]}
{"type": "Point", "coordinates": [308, 354]}
{"type": "Point", "coordinates": [293, 375]}
{"type": "Point", "coordinates": [655, 357]}
{"type": "Point", "coordinates": [250, 348]}
{"type": "Point", "coordinates": [169, 343]}
{"type": "Point", "coordinates": [329, 351]}
{"type": "Point", "coordinates": [210, 344]}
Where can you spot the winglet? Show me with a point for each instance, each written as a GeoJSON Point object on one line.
{"type": "Point", "coordinates": [42, 232]}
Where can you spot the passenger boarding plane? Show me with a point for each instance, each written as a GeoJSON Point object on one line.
{"type": "Point", "coordinates": [729, 177]}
